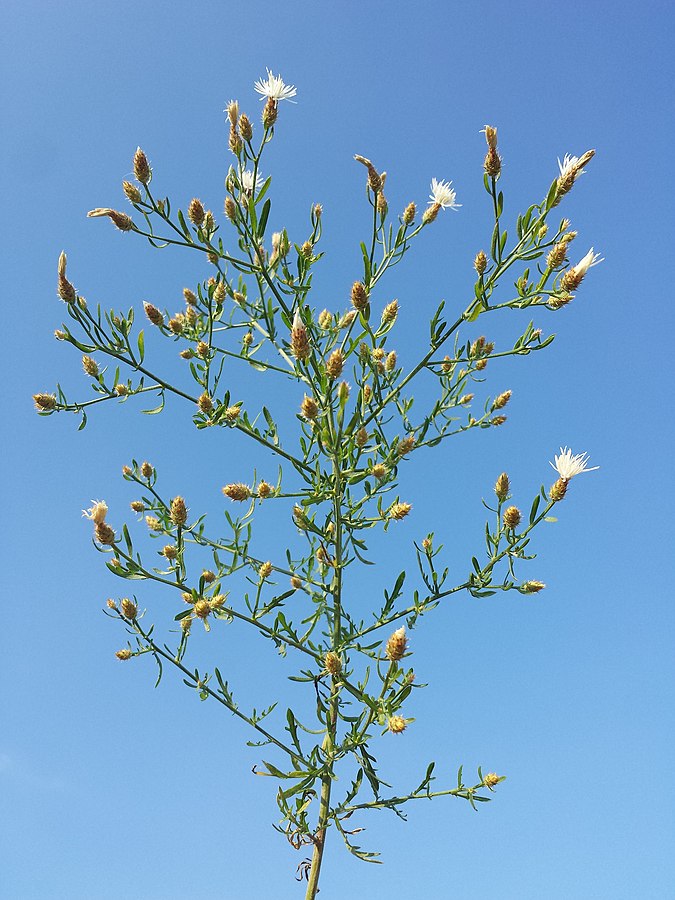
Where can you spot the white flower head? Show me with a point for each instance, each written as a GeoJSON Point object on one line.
{"type": "Point", "coordinates": [569, 166]}
{"type": "Point", "coordinates": [97, 512]}
{"type": "Point", "coordinates": [249, 182]}
{"type": "Point", "coordinates": [443, 194]}
{"type": "Point", "coordinates": [273, 88]}
{"type": "Point", "coordinates": [591, 259]}
{"type": "Point", "coordinates": [568, 464]}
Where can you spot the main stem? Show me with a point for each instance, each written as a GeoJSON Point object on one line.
{"type": "Point", "coordinates": [329, 739]}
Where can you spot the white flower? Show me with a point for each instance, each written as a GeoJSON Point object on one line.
{"type": "Point", "coordinates": [567, 464]}
{"type": "Point", "coordinates": [247, 181]}
{"type": "Point", "coordinates": [569, 166]}
{"type": "Point", "coordinates": [591, 259]}
{"type": "Point", "coordinates": [97, 512]}
{"type": "Point", "coordinates": [443, 194]}
{"type": "Point", "coordinates": [273, 88]}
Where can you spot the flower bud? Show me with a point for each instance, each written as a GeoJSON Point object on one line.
{"type": "Point", "coordinates": [104, 534]}
{"type": "Point", "coordinates": [491, 779]}
{"type": "Point", "coordinates": [153, 314]}
{"type": "Point", "coordinates": [299, 340]}
{"type": "Point", "coordinates": [532, 587]}
{"type": "Point", "coordinates": [374, 179]}
{"type": "Point", "coordinates": [123, 654]}
{"type": "Point", "coordinates": [390, 361]}
{"type": "Point", "coordinates": [406, 445]}
{"type": "Point", "coordinates": [230, 209]}
{"type": "Point", "coordinates": [502, 487]}
{"type": "Point", "coordinates": [137, 506]}
{"type": "Point", "coordinates": [265, 570]}
{"type": "Point", "coordinates": [359, 296]}
{"type": "Point", "coordinates": [146, 469]}
{"type": "Point", "coordinates": [335, 364]}
{"type": "Point", "coordinates": [309, 408]}
{"type": "Point", "coordinates": [333, 663]}
{"type": "Point", "coordinates": [390, 312]}
{"type": "Point", "coordinates": [480, 262]}
{"type": "Point", "coordinates": [409, 214]}
{"type": "Point", "coordinates": [502, 400]}
{"type": "Point", "coordinates": [397, 724]}
{"type": "Point", "coordinates": [178, 511]}
{"type": "Point", "coordinates": [131, 192]}
{"type": "Point", "coordinates": [196, 212]}
{"type": "Point", "coordinates": [296, 583]}
{"type": "Point", "coordinates": [170, 551]}
{"type": "Point", "coordinates": [264, 490]}
{"type": "Point", "coordinates": [396, 645]}
{"type": "Point", "coordinates": [361, 437]}
{"type": "Point", "coordinates": [245, 127]}
{"type": "Point", "coordinates": [45, 402]}
{"type": "Point", "coordinates": [512, 517]}
{"type": "Point", "coordinates": [379, 471]}
{"type": "Point", "coordinates": [205, 403]}
{"type": "Point", "coordinates": [237, 491]}
{"type": "Point", "coordinates": [110, 603]}
{"type": "Point", "coordinates": [399, 511]}
{"type": "Point", "coordinates": [142, 170]}
{"type": "Point", "coordinates": [202, 608]}
{"type": "Point", "coordinates": [153, 523]}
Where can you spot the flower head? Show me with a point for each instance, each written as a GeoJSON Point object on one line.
{"type": "Point", "coordinates": [249, 182]}
{"type": "Point", "coordinates": [591, 259]}
{"type": "Point", "coordinates": [443, 194]}
{"type": "Point", "coordinates": [567, 464]}
{"type": "Point", "coordinates": [571, 165]}
{"type": "Point", "coordinates": [273, 88]}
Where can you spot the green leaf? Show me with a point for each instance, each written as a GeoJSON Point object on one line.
{"type": "Point", "coordinates": [263, 218]}
{"type": "Point", "coordinates": [141, 345]}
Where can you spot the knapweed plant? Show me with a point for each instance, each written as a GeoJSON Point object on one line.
{"type": "Point", "coordinates": [355, 426]}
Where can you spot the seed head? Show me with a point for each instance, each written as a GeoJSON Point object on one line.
{"type": "Point", "coordinates": [237, 491]}
{"type": "Point", "coordinates": [397, 724]}
{"type": "Point", "coordinates": [396, 645]}
{"type": "Point", "coordinates": [512, 517]}
{"type": "Point", "coordinates": [196, 212]}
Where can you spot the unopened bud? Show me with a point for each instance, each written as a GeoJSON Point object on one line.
{"type": "Point", "coordinates": [196, 212]}
{"type": "Point", "coordinates": [237, 491]}
{"type": "Point", "coordinates": [265, 570]}
{"type": "Point", "coordinates": [205, 404]}
{"type": "Point", "coordinates": [269, 114]}
{"type": "Point", "coordinates": [397, 724]}
{"type": "Point", "coordinates": [335, 364]}
{"type": "Point", "coordinates": [123, 654]}
{"type": "Point", "coordinates": [146, 470]}
{"type": "Point", "coordinates": [502, 400]}
{"type": "Point", "coordinates": [230, 209]}
{"type": "Point", "coordinates": [512, 517]}
{"type": "Point", "coordinates": [532, 587]}
{"type": "Point", "coordinates": [153, 314]}
{"type": "Point", "coordinates": [44, 402]}
{"type": "Point", "coordinates": [264, 490]}
{"type": "Point", "coordinates": [502, 487]}
{"type": "Point", "coordinates": [131, 192]}
{"type": "Point", "coordinates": [399, 511]}
{"type": "Point", "coordinates": [390, 312]}
{"type": "Point", "coordinates": [396, 645]}
{"type": "Point", "coordinates": [480, 262]}
{"type": "Point", "coordinates": [142, 170]}
{"type": "Point", "coordinates": [409, 214]}
{"type": "Point", "coordinates": [178, 511]}
{"type": "Point", "coordinates": [245, 127]}
{"type": "Point", "coordinates": [309, 408]}
{"type": "Point", "coordinates": [359, 296]}
{"type": "Point", "coordinates": [333, 663]}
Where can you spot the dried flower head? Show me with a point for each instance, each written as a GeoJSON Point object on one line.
{"type": "Point", "coordinates": [374, 178]}
{"type": "Point", "coordinates": [121, 220]}
{"type": "Point", "coordinates": [399, 510]}
{"type": "Point", "coordinates": [567, 464]}
{"type": "Point", "coordinates": [96, 512]}
{"type": "Point", "coordinates": [104, 534]}
{"type": "Point", "coordinates": [396, 645]}
{"type": "Point", "coordinates": [65, 289]}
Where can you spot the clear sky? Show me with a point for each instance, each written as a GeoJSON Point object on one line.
{"type": "Point", "coordinates": [109, 787]}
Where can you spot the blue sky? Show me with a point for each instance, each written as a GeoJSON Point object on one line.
{"type": "Point", "coordinates": [111, 786]}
